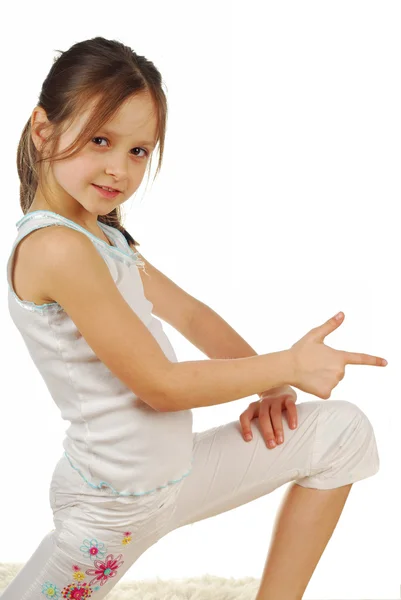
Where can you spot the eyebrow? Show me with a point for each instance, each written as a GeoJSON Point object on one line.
{"type": "Point", "coordinates": [109, 132]}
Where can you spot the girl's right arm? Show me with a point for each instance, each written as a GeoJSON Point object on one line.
{"type": "Point", "coordinates": [76, 276]}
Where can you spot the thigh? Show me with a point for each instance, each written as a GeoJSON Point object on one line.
{"type": "Point", "coordinates": [102, 537]}
{"type": "Point", "coordinates": [333, 445]}
{"type": "Point", "coordinates": [95, 541]}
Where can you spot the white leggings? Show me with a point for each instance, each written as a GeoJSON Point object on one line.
{"type": "Point", "coordinates": [99, 536]}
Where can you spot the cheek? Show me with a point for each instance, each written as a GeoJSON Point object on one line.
{"type": "Point", "coordinates": [75, 174]}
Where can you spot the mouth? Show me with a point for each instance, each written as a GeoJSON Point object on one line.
{"type": "Point", "coordinates": [110, 189]}
{"type": "Point", "coordinates": [106, 193]}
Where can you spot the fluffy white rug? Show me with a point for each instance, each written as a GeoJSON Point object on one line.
{"type": "Point", "coordinates": [197, 588]}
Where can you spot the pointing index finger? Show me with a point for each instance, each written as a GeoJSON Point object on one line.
{"type": "Point", "coordinates": [358, 358]}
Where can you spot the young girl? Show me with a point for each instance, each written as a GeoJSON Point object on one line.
{"type": "Point", "coordinates": [82, 298]}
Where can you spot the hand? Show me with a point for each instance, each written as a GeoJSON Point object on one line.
{"type": "Point", "coordinates": [268, 409]}
{"type": "Point", "coordinates": [316, 368]}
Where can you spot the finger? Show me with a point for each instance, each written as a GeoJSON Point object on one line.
{"type": "Point", "coordinates": [267, 428]}
{"type": "Point", "coordinates": [276, 416]}
{"type": "Point", "coordinates": [355, 358]}
{"type": "Point", "coordinates": [292, 415]}
{"type": "Point", "coordinates": [322, 331]}
{"type": "Point", "coordinates": [245, 422]}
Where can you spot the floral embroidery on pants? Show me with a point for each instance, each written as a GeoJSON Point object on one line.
{"type": "Point", "coordinates": [105, 570]}
{"type": "Point", "coordinates": [101, 573]}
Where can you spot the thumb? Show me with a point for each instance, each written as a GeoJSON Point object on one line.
{"type": "Point", "coordinates": [319, 333]}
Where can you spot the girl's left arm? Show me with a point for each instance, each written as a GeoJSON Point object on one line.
{"type": "Point", "coordinates": [217, 339]}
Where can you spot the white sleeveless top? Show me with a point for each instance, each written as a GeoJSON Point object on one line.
{"type": "Point", "coordinates": [115, 440]}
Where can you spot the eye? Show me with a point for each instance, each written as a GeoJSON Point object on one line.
{"type": "Point", "coordinates": [137, 148]}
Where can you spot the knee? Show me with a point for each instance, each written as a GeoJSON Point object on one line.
{"type": "Point", "coordinates": [349, 440]}
{"type": "Point", "coordinates": [347, 413]}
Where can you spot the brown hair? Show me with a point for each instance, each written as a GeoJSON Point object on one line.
{"type": "Point", "coordinates": [100, 70]}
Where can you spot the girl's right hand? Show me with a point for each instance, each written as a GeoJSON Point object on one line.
{"type": "Point", "coordinates": [317, 368]}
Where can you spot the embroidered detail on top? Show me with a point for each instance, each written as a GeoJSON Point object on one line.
{"type": "Point", "coordinates": [126, 258]}
{"type": "Point", "coordinates": [104, 484]}
{"type": "Point", "coordinates": [56, 218]}
{"type": "Point", "coordinates": [40, 308]}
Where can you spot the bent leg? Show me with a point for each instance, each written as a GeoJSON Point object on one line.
{"type": "Point", "coordinates": [95, 542]}
{"type": "Point", "coordinates": [57, 571]}
{"type": "Point", "coordinates": [303, 528]}
{"type": "Point", "coordinates": [24, 578]}
{"type": "Point", "coordinates": [334, 445]}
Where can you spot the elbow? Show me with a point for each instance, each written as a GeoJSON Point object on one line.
{"type": "Point", "coordinates": [158, 398]}
{"type": "Point", "coordinates": [156, 402]}
{"type": "Point", "coordinates": [162, 403]}
{"type": "Point", "coordinates": [166, 398]}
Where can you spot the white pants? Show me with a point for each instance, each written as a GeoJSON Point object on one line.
{"type": "Point", "coordinates": [99, 536]}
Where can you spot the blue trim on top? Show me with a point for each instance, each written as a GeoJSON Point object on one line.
{"type": "Point", "coordinates": [39, 308]}
{"type": "Point", "coordinates": [104, 484]}
{"type": "Point", "coordinates": [113, 249]}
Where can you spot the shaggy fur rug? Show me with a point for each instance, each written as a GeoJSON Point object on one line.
{"type": "Point", "coordinates": [207, 587]}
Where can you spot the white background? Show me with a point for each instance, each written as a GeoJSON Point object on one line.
{"type": "Point", "coordinates": [277, 206]}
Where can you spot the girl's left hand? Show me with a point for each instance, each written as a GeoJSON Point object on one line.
{"type": "Point", "coordinates": [268, 409]}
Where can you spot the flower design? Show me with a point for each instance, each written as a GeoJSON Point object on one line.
{"type": "Point", "coordinates": [93, 549]}
{"type": "Point", "coordinates": [77, 592]}
{"type": "Point", "coordinates": [50, 590]}
{"type": "Point", "coordinates": [78, 576]}
{"type": "Point", "coordinates": [105, 570]}
{"type": "Point", "coordinates": [127, 539]}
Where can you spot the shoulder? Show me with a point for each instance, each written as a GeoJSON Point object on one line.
{"type": "Point", "coordinates": [30, 264]}
{"type": "Point", "coordinates": [61, 233]}
{"type": "Point", "coordinates": [57, 242]}
{"type": "Point", "coordinates": [48, 248]}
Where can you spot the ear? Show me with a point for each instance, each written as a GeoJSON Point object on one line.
{"type": "Point", "coordinates": [40, 121]}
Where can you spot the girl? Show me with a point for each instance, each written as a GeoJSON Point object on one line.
{"type": "Point", "coordinates": [132, 470]}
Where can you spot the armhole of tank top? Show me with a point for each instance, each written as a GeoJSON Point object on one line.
{"type": "Point", "coordinates": [122, 243]}
{"type": "Point", "coordinates": [41, 308]}
{"type": "Point", "coordinates": [116, 236]}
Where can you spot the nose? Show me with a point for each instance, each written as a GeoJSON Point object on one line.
{"type": "Point", "coordinates": [117, 166]}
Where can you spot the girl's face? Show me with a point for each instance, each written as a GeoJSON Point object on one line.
{"type": "Point", "coordinates": [117, 157]}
